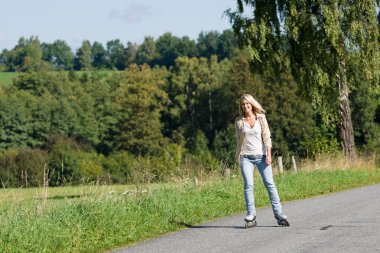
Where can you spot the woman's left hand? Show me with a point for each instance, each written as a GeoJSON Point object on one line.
{"type": "Point", "coordinates": [268, 159]}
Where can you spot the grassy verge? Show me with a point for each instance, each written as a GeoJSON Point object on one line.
{"type": "Point", "coordinates": [105, 218]}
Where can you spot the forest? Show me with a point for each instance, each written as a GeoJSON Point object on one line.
{"type": "Point", "coordinates": [158, 111]}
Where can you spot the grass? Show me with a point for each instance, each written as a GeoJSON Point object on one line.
{"type": "Point", "coordinates": [7, 77]}
{"type": "Point", "coordinates": [98, 218]}
{"type": "Point", "coordinates": [328, 162]}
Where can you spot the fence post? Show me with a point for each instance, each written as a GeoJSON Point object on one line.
{"type": "Point", "coordinates": [45, 181]}
{"type": "Point", "coordinates": [196, 183]}
{"type": "Point", "coordinates": [280, 165]}
{"type": "Point", "coordinates": [227, 173]}
{"type": "Point", "coordinates": [294, 165]}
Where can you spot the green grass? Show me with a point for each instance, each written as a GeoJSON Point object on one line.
{"type": "Point", "coordinates": [97, 218]}
{"type": "Point", "coordinates": [7, 77]}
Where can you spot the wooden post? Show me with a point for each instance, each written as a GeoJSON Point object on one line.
{"type": "Point", "coordinates": [280, 165]}
{"type": "Point", "coordinates": [196, 183]}
{"type": "Point", "coordinates": [26, 178]}
{"type": "Point", "coordinates": [45, 181]}
{"type": "Point", "coordinates": [294, 165]}
{"type": "Point", "coordinates": [227, 173]}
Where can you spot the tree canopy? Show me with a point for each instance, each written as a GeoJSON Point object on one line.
{"type": "Point", "coordinates": [330, 45]}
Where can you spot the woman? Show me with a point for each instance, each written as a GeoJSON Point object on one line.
{"type": "Point", "coordinates": [254, 148]}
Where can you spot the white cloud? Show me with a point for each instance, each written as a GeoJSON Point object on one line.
{"type": "Point", "coordinates": [132, 14]}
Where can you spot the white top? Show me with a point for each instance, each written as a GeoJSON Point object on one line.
{"type": "Point", "coordinates": [253, 143]}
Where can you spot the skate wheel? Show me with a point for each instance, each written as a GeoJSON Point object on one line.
{"type": "Point", "coordinates": [283, 223]}
{"type": "Point", "coordinates": [250, 224]}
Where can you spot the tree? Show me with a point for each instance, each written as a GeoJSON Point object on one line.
{"type": "Point", "coordinates": [147, 51]}
{"type": "Point", "coordinates": [16, 120]}
{"type": "Point", "coordinates": [59, 54]}
{"type": "Point", "coordinates": [227, 44]}
{"type": "Point", "coordinates": [131, 52]}
{"type": "Point", "coordinates": [99, 56]}
{"type": "Point", "coordinates": [7, 60]}
{"type": "Point", "coordinates": [140, 96]}
{"type": "Point", "coordinates": [167, 47]}
{"type": "Point", "coordinates": [331, 45]}
{"type": "Point", "coordinates": [191, 106]}
{"type": "Point", "coordinates": [33, 55]}
{"type": "Point", "coordinates": [116, 54]}
{"type": "Point", "coordinates": [367, 130]}
{"type": "Point", "coordinates": [52, 105]}
{"type": "Point", "coordinates": [3, 66]}
{"type": "Point", "coordinates": [187, 47]}
{"type": "Point", "coordinates": [83, 59]}
{"type": "Point", "coordinates": [208, 44]}
{"type": "Point", "coordinates": [26, 55]}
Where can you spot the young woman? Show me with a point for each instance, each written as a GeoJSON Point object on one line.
{"type": "Point", "coordinates": [254, 148]}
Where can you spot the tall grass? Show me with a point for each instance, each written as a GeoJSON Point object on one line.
{"type": "Point", "coordinates": [97, 218]}
{"type": "Point", "coordinates": [339, 161]}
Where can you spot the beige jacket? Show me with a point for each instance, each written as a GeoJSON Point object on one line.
{"type": "Point", "coordinates": [265, 134]}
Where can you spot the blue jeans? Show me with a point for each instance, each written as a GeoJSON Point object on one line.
{"type": "Point", "coordinates": [247, 163]}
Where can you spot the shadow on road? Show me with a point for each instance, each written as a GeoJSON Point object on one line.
{"type": "Point", "coordinates": [205, 226]}
{"type": "Point", "coordinates": [214, 226]}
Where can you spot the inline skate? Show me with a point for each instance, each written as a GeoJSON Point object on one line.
{"type": "Point", "coordinates": [282, 220]}
{"type": "Point", "coordinates": [250, 221]}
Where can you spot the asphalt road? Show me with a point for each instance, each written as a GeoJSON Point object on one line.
{"type": "Point", "coordinates": [347, 221]}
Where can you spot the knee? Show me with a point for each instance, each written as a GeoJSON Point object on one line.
{"type": "Point", "coordinates": [248, 186]}
{"type": "Point", "coordinates": [270, 185]}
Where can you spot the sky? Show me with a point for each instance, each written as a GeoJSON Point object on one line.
{"type": "Point", "coordinates": [103, 20]}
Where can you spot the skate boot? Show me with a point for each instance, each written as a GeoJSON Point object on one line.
{"type": "Point", "coordinates": [250, 221]}
{"type": "Point", "coordinates": [282, 220]}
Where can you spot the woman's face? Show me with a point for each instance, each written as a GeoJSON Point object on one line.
{"type": "Point", "coordinates": [246, 106]}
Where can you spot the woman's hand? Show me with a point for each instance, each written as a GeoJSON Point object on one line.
{"type": "Point", "coordinates": [268, 159]}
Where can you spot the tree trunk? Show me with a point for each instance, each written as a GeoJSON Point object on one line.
{"type": "Point", "coordinates": [346, 131]}
{"type": "Point", "coordinates": [210, 110]}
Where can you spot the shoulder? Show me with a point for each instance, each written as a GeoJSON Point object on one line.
{"type": "Point", "coordinates": [260, 116]}
{"type": "Point", "coordinates": [239, 121]}
{"type": "Point", "coordinates": [239, 118]}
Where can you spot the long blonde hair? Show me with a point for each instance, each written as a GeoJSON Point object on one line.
{"type": "Point", "coordinates": [256, 107]}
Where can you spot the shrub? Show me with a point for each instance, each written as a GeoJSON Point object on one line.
{"type": "Point", "coordinates": [118, 167]}
{"type": "Point", "coordinates": [90, 167]}
{"type": "Point", "coordinates": [22, 167]}
{"type": "Point", "coordinates": [225, 145]}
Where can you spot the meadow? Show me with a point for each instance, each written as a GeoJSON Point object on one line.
{"type": "Point", "coordinates": [96, 218]}
{"type": "Point", "coordinates": [7, 77]}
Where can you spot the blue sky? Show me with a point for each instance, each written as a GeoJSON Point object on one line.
{"type": "Point", "coordinates": [104, 20]}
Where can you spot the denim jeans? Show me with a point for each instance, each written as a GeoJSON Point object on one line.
{"type": "Point", "coordinates": [247, 163]}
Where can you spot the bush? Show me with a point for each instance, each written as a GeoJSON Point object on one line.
{"type": "Point", "coordinates": [225, 145]}
{"type": "Point", "coordinates": [176, 163]}
{"type": "Point", "coordinates": [118, 167]}
{"type": "Point", "coordinates": [22, 167]}
{"type": "Point", "coordinates": [72, 163]}
{"type": "Point", "coordinates": [90, 167]}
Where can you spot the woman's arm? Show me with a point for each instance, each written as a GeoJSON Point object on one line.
{"type": "Point", "coordinates": [268, 159]}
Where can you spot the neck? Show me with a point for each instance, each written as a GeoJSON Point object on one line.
{"type": "Point", "coordinates": [248, 115]}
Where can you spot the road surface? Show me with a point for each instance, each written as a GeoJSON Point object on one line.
{"type": "Point", "coordinates": [347, 221]}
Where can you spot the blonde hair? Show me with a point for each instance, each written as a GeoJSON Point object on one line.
{"type": "Point", "coordinates": [256, 107]}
